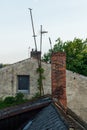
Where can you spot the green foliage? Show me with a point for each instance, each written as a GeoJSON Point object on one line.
{"type": "Point", "coordinates": [47, 56]}
{"type": "Point", "coordinates": [59, 46]}
{"type": "Point", "coordinates": [8, 101]}
{"type": "Point", "coordinates": [76, 54]}
{"type": "Point", "coordinates": [40, 71]}
{"type": "Point", "coordinates": [37, 95]}
{"type": "Point", "coordinates": [19, 97]}
{"type": "Point", "coordinates": [11, 101]}
{"type": "Point", "coordinates": [39, 81]}
{"type": "Point", "coordinates": [41, 77]}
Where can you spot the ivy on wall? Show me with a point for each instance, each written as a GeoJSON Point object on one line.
{"type": "Point", "coordinates": [41, 77]}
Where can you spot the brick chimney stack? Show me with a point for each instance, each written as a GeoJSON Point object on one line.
{"type": "Point", "coordinates": [58, 74]}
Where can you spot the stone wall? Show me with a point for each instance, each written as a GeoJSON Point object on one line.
{"type": "Point", "coordinates": [77, 93]}
{"type": "Point", "coordinates": [76, 85]}
{"type": "Point", "coordinates": [9, 82]}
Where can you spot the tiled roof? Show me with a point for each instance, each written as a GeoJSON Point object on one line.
{"type": "Point", "coordinates": [47, 119]}
{"type": "Point", "coordinates": [10, 111]}
{"type": "Point", "coordinates": [45, 113]}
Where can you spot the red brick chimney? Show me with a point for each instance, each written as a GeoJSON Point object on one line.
{"type": "Point", "coordinates": [58, 74]}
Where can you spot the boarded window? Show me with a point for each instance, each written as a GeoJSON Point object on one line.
{"type": "Point", "coordinates": [23, 83]}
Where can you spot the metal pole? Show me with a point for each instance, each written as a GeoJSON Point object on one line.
{"type": "Point", "coordinates": [41, 87]}
{"type": "Point", "coordinates": [50, 44]}
{"type": "Point", "coordinates": [41, 32]}
{"type": "Point", "coordinates": [41, 38]}
{"type": "Point", "coordinates": [33, 28]}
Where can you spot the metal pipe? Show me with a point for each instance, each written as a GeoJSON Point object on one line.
{"type": "Point", "coordinates": [50, 44]}
{"type": "Point", "coordinates": [41, 38]}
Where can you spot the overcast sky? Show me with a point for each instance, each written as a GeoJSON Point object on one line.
{"type": "Point", "coordinates": [61, 18]}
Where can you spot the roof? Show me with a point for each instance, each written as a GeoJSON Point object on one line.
{"type": "Point", "coordinates": [47, 119]}
{"type": "Point", "coordinates": [19, 109]}
{"type": "Point", "coordinates": [45, 113]}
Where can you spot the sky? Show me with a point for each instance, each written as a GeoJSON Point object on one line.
{"type": "Point", "coordinates": [66, 19]}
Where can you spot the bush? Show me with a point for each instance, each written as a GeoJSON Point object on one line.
{"type": "Point", "coordinates": [37, 95]}
{"type": "Point", "coordinates": [9, 100]}
{"type": "Point", "coordinates": [19, 97]}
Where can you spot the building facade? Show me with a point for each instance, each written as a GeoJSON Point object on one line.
{"type": "Point", "coordinates": [22, 77]}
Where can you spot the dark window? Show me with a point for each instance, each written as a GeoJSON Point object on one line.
{"type": "Point", "coordinates": [23, 83]}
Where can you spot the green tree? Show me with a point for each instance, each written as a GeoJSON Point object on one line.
{"type": "Point", "coordinates": [59, 46]}
{"type": "Point", "coordinates": [76, 54]}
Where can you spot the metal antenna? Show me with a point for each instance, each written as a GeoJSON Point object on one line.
{"type": "Point", "coordinates": [33, 28]}
{"type": "Point", "coordinates": [50, 44]}
{"type": "Point", "coordinates": [40, 38]}
{"type": "Point", "coordinates": [41, 32]}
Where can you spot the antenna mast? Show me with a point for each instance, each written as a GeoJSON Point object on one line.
{"type": "Point", "coordinates": [33, 28]}
{"type": "Point", "coordinates": [41, 32]}
{"type": "Point", "coordinates": [50, 44]}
